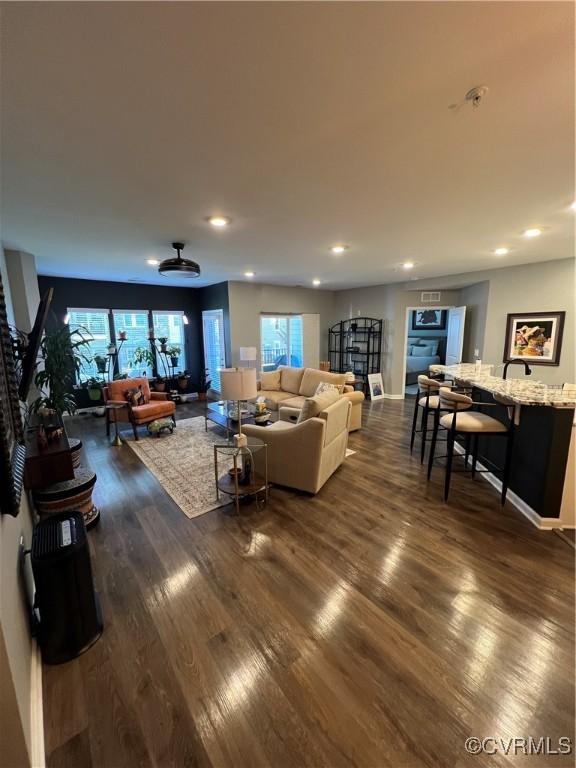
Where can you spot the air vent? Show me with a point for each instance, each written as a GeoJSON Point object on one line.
{"type": "Point", "coordinates": [430, 297]}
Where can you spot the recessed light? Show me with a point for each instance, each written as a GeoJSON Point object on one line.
{"type": "Point", "coordinates": [573, 206]}
{"type": "Point", "coordinates": [152, 262]}
{"type": "Point", "coordinates": [408, 265]}
{"type": "Point", "coordinates": [501, 251]}
{"type": "Point", "coordinates": [219, 221]}
{"type": "Point", "coordinates": [339, 248]}
{"type": "Point", "coordinates": [316, 282]}
{"type": "Point", "coordinates": [535, 232]}
{"type": "Point", "coordinates": [248, 274]}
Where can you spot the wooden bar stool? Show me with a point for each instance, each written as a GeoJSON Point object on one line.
{"type": "Point", "coordinates": [470, 424]}
{"type": "Point", "coordinates": [429, 401]}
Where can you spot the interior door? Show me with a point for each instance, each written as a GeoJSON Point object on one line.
{"type": "Point", "coordinates": [455, 336]}
{"type": "Point", "coordinates": [214, 346]}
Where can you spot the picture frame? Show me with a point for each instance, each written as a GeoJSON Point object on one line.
{"type": "Point", "coordinates": [429, 319]}
{"type": "Point", "coordinates": [376, 386]}
{"type": "Point", "coordinates": [535, 337]}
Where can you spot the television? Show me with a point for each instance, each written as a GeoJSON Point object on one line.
{"type": "Point", "coordinates": [34, 339]}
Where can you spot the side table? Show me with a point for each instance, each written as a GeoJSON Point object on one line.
{"type": "Point", "coordinates": [117, 441]}
{"type": "Point", "coordinates": [242, 480]}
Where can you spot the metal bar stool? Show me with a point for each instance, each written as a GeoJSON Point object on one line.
{"type": "Point", "coordinates": [470, 424]}
{"type": "Point", "coordinates": [428, 400]}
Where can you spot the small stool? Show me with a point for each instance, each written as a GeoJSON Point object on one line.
{"type": "Point", "coordinates": [70, 495]}
{"type": "Point", "coordinates": [157, 426]}
{"type": "Point", "coordinates": [75, 451]}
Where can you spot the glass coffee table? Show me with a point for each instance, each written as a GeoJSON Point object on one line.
{"type": "Point", "coordinates": [218, 413]}
{"type": "Point", "coordinates": [241, 479]}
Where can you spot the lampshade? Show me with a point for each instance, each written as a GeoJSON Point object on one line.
{"type": "Point", "coordinates": [247, 353]}
{"type": "Point", "coordinates": [238, 383]}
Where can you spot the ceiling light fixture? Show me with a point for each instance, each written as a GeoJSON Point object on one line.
{"type": "Point", "coordinates": [219, 221]}
{"type": "Point", "coordinates": [316, 282]}
{"type": "Point", "coordinates": [178, 266]}
{"type": "Point", "coordinates": [535, 232]}
{"type": "Point", "coordinates": [248, 274]}
{"type": "Point", "coordinates": [573, 206]}
{"type": "Point", "coordinates": [152, 262]}
{"type": "Point", "coordinates": [501, 251]}
{"type": "Point", "coordinates": [338, 249]}
{"type": "Point", "coordinates": [408, 265]}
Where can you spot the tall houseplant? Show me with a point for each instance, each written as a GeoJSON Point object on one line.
{"type": "Point", "coordinates": [62, 353]}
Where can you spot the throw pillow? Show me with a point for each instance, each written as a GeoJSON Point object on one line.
{"type": "Point", "coordinates": [315, 405]}
{"type": "Point", "coordinates": [325, 386]}
{"type": "Point", "coordinates": [409, 350]}
{"type": "Point", "coordinates": [134, 396]}
{"type": "Point", "coordinates": [270, 381]}
{"type": "Point", "coordinates": [434, 347]}
{"type": "Point", "coordinates": [414, 340]}
{"type": "Point", "coordinates": [421, 351]}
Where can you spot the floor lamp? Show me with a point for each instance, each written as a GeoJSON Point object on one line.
{"type": "Point", "coordinates": [248, 354]}
{"type": "Point", "coordinates": [238, 384]}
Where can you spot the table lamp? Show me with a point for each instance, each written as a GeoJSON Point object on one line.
{"type": "Point", "coordinates": [248, 354]}
{"type": "Point", "coordinates": [238, 384]}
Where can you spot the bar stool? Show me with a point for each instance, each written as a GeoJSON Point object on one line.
{"type": "Point", "coordinates": [471, 424]}
{"type": "Point", "coordinates": [428, 400]}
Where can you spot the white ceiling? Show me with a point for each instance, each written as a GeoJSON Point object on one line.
{"type": "Point", "coordinates": [126, 124]}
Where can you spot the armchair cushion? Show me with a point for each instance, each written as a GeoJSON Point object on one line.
{"type": "Point", "coordinates": [116, 389]}
{"type": "Point", "coordinates": [153, 410]}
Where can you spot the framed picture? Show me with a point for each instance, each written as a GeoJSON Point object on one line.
{"type": "Point", "coordinates": [535, 337]}
{"type": "Point", "coordinates": [376, 386]}
{"type": "Point", "coordinates": [429, 320]}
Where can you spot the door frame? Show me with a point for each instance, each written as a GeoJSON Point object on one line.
{"type": "Point", "coordinates": [213, 312]}
{"type": "Point", "coordinates": [407, 333]}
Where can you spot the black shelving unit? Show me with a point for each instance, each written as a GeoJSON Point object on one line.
{"type": "Point", "coordinates": [355, 345]}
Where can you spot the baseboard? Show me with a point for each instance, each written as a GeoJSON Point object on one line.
{"type": "Point", "coordinates": [543, 523]}
{"type": "Point", "coordinates": [37, 753]}
{"type": "Point", "coordinates": [394, 397]}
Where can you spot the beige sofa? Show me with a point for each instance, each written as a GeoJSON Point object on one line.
{"type": "Point", "coordinates": [296, 384]}
{"type": "Point", "coordinates": [304, 455]}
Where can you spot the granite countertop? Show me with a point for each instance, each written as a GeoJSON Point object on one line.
{"type": "Point", "coordinates": [524, 391]}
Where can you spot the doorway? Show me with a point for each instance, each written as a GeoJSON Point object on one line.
{"type": "Point", "coordinates": [434, 336]}
{"type": "Point", "coordinates": [214, 345]}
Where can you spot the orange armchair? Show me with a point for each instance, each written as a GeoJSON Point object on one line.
{"type": "Point", "coordinates": [157, 405]}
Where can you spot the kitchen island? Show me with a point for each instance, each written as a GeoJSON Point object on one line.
{"type": "Point", "coordinates": [544, 419]}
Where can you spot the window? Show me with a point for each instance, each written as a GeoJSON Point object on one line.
{"type": "Point", "coordinates": [135, 323]}
{"type": "Point", "coordinates": [94, 323]}
{"type": "Point", "coordinates": [281, 341]}
{"type": "Point", "coordinates": [171, 326]}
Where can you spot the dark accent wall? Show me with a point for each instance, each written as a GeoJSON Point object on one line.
{"type": "Point", "coordinates": [216, 297]}
{"type": "Point", "coordinates": [100, 294]}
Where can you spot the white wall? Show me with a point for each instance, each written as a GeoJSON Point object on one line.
{"type": "Point", "coordinates": [249, 300]}
{"type": "Point", "coordinates": [17, 657]}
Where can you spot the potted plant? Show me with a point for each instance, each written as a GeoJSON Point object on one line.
{"type": "Point", "coordinates": [62, 354]}
{"type": "Point", "coordinates": [160, 384]}
{"type": "Point", "coordinates": [144, 357]}
{"type": "Point", "coordinates": [94, 387]}
{"type": "Point", "coordinates": [163, 341]}
{"type": "Point", "coordinates": [183, 380]}
{"type": "Point", "coordinates": [173, 353]}
{"type": "Point", "coordinates": [101, 363]}
{"type": "Point", "coordinates": [204, 384]}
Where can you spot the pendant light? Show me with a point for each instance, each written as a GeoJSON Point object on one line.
{"type": "Point", "coordinates": [179, 267]}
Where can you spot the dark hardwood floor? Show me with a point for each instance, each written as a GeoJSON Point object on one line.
{"type": "Point", "coordinates": [372, 625]}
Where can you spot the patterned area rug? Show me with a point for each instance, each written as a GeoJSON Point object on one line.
{"type": "Point", "coordinates": [183, 464]}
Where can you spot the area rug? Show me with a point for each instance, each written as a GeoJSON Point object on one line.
{"type": "Point", "coordinates": [183, 464]}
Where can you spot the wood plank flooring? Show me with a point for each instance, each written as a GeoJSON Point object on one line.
{"type": "Point", "coordinates": [371, 625]}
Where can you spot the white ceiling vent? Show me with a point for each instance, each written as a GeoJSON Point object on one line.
{"type": "Point", "coordinates": [430, 297]}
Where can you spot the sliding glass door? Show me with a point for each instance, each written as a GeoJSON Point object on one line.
{"type": "Point", "coordinates": [281, 341]}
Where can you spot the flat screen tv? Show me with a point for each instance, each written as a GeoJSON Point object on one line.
{"type": "Point", "coordinates": [34, 338]}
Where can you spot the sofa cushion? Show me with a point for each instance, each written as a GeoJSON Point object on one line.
{"type": "Point", "coordinates": [273, 397]}
{"type": "Point", "coordinates": [290, 378]}
{"type": "Point", "coordinates": [312, 377]}
{"type": "Point", "coordinates": [314, 405]}
{"type": "Point", "coordinates": [270, 381]}
{"type": "Point", "coordinates": [295, 402]}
